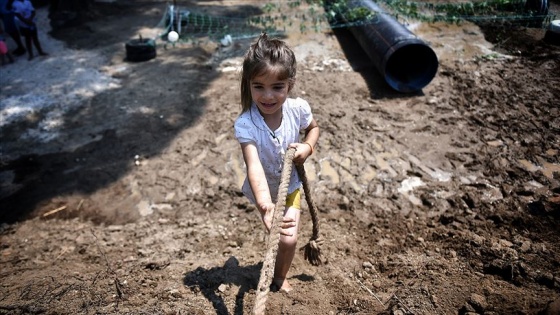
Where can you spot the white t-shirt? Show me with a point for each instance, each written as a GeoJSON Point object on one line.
{"type": "Point", "coordinates": [272, 144]}
{"type": "Point", "coordinates": [25, 8]}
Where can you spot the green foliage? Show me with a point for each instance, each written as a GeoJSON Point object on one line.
{"type": "Point", "coordinates": [491, 7]}
{"type": "Point", "coordinates": [269, 7]}
{"type": "Point", "coordinates": [489, 11]}
{"type": "Point", "coordinates": [318, 15]}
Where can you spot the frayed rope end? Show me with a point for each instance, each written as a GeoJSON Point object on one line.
{"type": "Point", "coordinates": [312, 252]}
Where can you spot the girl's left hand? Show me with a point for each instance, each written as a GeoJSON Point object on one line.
{"type": "Point", "coordinates": [303, 151]}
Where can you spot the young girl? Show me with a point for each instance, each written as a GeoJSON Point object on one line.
{"type": "Point", "coordinates": [268, 125]}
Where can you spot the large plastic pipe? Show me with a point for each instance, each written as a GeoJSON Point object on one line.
{"type": "Point", "coordinates": [406, 62]}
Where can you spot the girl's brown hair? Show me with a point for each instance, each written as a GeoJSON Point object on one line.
{"type": "Point", "coordinates": [264, 55]}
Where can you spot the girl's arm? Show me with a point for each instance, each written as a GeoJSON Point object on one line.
{"type": "Point", "coordinates": [259, 186]}
{"type": "Point", "coordinates": [306, 148]}
{"type": "Point", "coordinates": [257, 179]}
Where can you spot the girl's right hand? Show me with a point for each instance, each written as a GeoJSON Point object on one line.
{"type": "Point", "coordinates": [287, 222]}
{"type": "Point", "coordinates": [267, 211]}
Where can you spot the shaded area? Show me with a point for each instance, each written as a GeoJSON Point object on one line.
{"type": "Point", "coordinates": [111, 151]}
{"type": "Point", "coordinates": [218, 281]}
{"type": "Point", "coordinates": [100, 138]}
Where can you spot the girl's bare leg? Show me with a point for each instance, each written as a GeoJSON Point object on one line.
{"type": "Point", "coordinates": [286, 253]}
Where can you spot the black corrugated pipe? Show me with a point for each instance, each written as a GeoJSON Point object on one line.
{"type": "Point", "coordinates": [406, 62]}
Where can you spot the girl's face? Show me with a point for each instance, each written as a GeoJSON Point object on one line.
{"type": "Point", "coordinates": [269, 93]}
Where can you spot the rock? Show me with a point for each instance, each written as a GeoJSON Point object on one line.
{"type": "Point", "coordinates": [467, 309]}
{"type": "Point", "coordinates": [367, 265]}
{"type": "Point", "coordinates": [478, 302]}
{"type": "Point", "coordinates": [222, 288]}
{"type": "Point", "coordinates": [452, 253]}
{"type": "Point", "coordinates": [477, 239]}
{"type": "Point", "coordinates": [505, 243]}
{"type": "Point", "coordinates": [434, 300]}
{"type": "Point", "coordinates": [114, 228]}
{"type": "Point", "coordinates": [175, 293]}
{"type": "Point", "coordinates": [525, 247]}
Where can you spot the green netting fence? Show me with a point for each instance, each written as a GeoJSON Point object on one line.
{"type": "Point", "coordinates": [284, 16]}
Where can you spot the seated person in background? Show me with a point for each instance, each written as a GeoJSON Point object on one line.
{"type": "Point", "coordinates": [4, 52]}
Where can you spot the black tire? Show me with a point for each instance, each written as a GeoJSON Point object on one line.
{"type": "Point", "coordinates": [140, 50]}
{"type": "Point", "coordinates": [552, 38]}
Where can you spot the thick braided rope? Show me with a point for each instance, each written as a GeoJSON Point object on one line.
{"type": "Point", "coordinates": [312, 251]}
{"type": "Point", "coordinates": [312, 209]}
{"type": "Point", "coordinates": [267, 271]}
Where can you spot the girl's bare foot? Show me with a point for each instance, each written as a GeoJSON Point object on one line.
{"type": "Point", "coordinates": [282, 285]}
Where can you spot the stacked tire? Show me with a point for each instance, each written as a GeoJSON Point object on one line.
{"type": "Point", "coordinates": [142, 49]}
{"type": "Point", "coordinates": [552, 35]}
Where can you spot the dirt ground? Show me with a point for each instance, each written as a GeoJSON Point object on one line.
{"type": "Point", "coordinates": [122, 196]}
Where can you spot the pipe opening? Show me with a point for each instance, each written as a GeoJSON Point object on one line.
{"type": "Point", "coordinates": [411, 67]}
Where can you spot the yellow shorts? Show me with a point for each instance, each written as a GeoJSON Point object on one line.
{"type": "Point", "coordinates": [294, 199]}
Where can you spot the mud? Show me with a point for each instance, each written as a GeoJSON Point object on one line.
{"type": "Point", "coordinates": [122, 196]}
